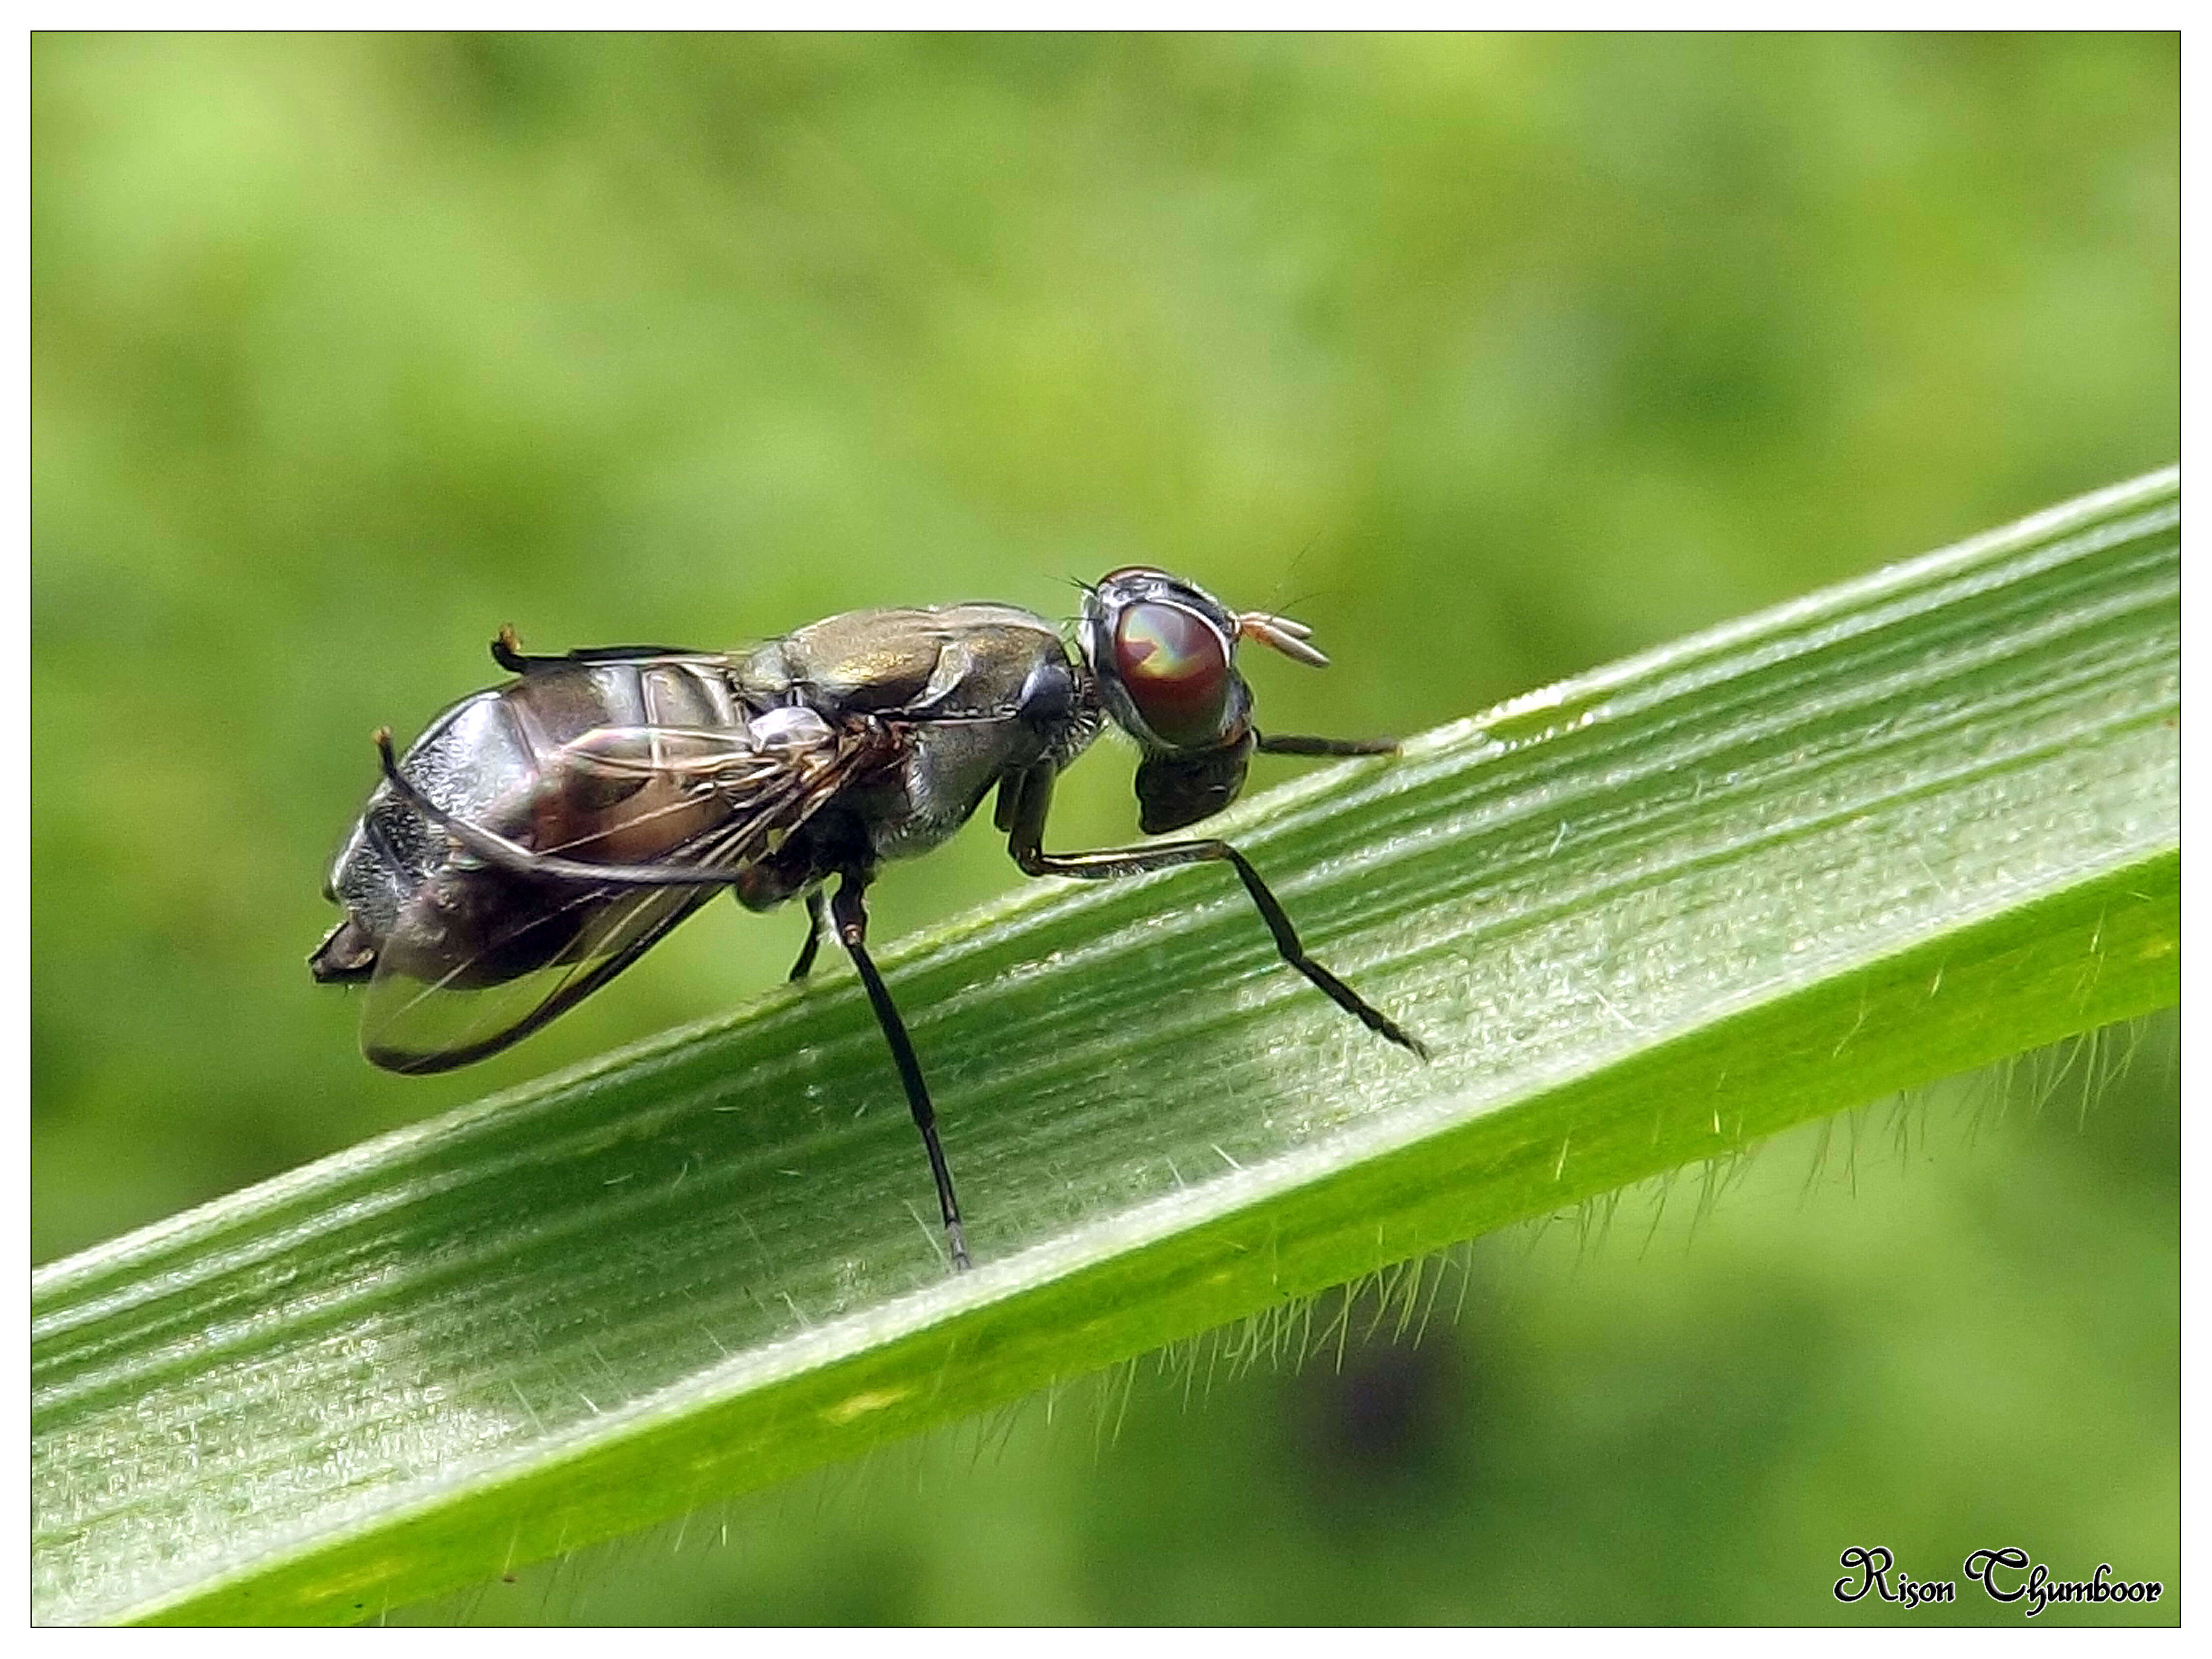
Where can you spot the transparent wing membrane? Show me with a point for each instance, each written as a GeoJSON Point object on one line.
{"type": "Point", "coordinates": [410, 1023]}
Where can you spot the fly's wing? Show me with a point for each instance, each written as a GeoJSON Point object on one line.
{"type": "Point", "coordinates": [409, 1025]}
{"type": "Point", "coordinates": [535, 947]}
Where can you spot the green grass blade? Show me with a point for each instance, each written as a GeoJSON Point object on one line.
{"type": "Point", "coordinates": [1854, 844]}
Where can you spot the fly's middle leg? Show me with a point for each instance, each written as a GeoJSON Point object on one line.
{"type": "Point", "coordinates": [804, 965]}
{"type": "Point", "coordinates": [849, 914]}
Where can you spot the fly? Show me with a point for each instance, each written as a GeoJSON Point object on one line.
{"type": "Point", "coordinates": [540, 837]}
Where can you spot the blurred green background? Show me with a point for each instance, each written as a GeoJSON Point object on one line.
{"type": "Point", "coordinates": [1491, 358]}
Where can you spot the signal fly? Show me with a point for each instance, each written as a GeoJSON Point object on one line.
{"type": "Point", "coordinates": [540, 837]}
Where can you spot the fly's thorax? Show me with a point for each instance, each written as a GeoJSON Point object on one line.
{"type": "Point", "coordinates": [950, 766]}
{"type": "Point", "coordinates": [973, 692]}
{"type": "Point", "coordinates": [946, 661]}
{"type": "Point", "coordinates": [953, 759]}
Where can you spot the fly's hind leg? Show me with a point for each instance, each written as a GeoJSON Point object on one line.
{"type": "Point", "coordinates": [1025, 841]}
{"type": "Point", "coordinates": [850, 916]}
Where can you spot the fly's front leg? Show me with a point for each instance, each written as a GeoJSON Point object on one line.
{"type": "Point", "coordinates": [804, 965]}
{"type": "Point", "coordinates": [1025, 841]}
{"type": "Point", "coordinates": [850, 916]}
{"type": "Point", "coordinates": [1266, 744]}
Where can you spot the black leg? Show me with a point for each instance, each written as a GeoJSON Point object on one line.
{"type": "Point", "coordinates": [1025, 844]}
{"type": "Point", "coordinates": [851, 916]}
{"type": "Point", "coordinates": [1290, 745]}
{"type": "Point", "coordinates": [804, 965]}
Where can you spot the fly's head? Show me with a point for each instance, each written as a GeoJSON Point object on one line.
{"type": "Point", "coordinates": [1163, 654]}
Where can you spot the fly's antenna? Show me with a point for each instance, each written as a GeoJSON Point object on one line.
{"type": "Point", "coordinates": [1279, 596]}
{"type": "Point", "coordinates": [1280, 633]}
{"type": "Point", "coordinates": [1283, 579]}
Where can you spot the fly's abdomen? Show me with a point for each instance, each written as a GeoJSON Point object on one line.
{"type": "Point", "coordinates": [611, 763]}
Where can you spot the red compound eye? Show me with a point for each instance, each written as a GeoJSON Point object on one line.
{"type": "Point", "coordinates": [1175, 670]}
